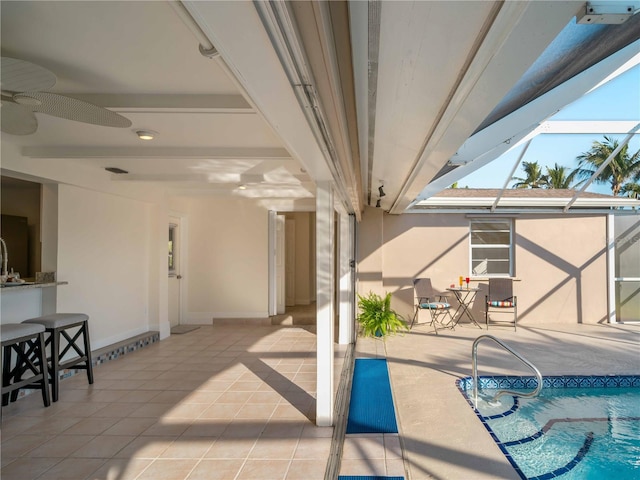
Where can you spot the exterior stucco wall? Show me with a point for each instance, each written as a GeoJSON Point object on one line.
{"type": "Point", "coordinates": [560, 262]}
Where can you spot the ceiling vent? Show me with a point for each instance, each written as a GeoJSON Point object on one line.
{"type": "Point", "coordinates": [116, 170]}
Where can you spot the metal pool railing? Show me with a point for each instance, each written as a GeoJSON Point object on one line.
{"type": "Point", "coordinates": [474, 365]}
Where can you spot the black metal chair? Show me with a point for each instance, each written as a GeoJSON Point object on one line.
{"type": "Point", "coordinates": [501, 300]}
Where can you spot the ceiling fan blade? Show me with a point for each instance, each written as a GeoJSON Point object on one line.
{"type": "Point", "coordinates": [17, 120]}
{"type": "Point", "coordinates": [71, 109]}
{"type": "Point", "coordinates": [22, 76]}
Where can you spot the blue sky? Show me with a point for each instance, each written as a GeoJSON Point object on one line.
{"type": "Point", "coordinates": [619, 99]}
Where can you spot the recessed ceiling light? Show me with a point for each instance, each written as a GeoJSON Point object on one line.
{"type": "Point", "coordinates": [146, 134]}
{"type": "Point", "coordinates": [242, 187]}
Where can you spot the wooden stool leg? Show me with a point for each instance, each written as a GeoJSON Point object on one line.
{"type": "Point", "coordinates": [87, 351]}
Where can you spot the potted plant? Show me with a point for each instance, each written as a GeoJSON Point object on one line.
{"type": "Point", "coordinates": [376, 316]}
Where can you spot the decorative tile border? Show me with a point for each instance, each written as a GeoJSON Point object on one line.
{"type": "Point", "coordinates": [557, 381]}
{"type": "Point", "coordinates": [112, 353]}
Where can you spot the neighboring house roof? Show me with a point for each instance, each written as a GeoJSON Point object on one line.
{"type": "Point", "coordinates": [526, 199]}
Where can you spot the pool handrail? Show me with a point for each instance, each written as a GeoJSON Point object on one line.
{"type": "Point", "coordinates": [474, 366]}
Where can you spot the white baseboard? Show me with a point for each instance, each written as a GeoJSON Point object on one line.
{"type": "Point", "coordinates": [207, 318]}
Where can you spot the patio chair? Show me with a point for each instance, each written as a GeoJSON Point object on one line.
{"type": "Point", "coordinates": [437, 304]}
{"type": "Point", "coordinates": [501, 300]}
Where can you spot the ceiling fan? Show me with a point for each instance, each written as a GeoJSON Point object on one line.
{"type": "Point", "coordinates": [22, 84]}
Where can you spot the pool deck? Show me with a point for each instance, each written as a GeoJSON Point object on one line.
{"type": "Point", "coordinates": [440, 436]}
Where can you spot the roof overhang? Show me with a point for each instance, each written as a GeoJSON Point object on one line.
{"type": "Point", "coordinates": [526, 205]}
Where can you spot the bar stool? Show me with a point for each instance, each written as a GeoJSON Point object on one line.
{"type": "Point", "coordinates": [56, 325]}
{"type": "Point", "coordinates": [27, 341]}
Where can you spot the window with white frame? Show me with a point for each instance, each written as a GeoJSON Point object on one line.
{"type": "Point", "coordinates": [173, 237]}
{"type": "Point", "coordinates": [491, 248]}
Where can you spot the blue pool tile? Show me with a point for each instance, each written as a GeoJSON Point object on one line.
{"type": "Point", "coordinates": [612, 382]}
{"type": "Point", "coordinates": [504, 383]}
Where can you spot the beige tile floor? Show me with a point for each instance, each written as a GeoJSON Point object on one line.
{"type": "Point", "coordinates": [220, 402]}
{"type": "Point", "coordinates": [237, 403]}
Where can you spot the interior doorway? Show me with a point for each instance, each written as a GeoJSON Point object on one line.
{"type": "Point", "coordinates": [294, 266]}
{"type": "Point", "coordinates": [174, 286]}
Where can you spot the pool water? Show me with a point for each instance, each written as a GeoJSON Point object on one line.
{"type": "Point", "coordinates": [566, 433]}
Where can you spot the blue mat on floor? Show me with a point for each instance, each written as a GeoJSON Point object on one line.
{"type": "Point", "coordinates": [367, 477]}
{"type": "Point", "coordinates": [371, 408]}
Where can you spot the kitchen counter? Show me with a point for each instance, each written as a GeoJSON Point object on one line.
{"type": "Point", "coordinates": [28, 300]}
{"type": "Point", "coordinates": [13, 287]}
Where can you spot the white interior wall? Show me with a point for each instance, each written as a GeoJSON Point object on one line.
{"type": "Point", "coordinates": [303, 256]}
{"type": "Point", "coordinates": [228, 260]}
{"type": "Point", "coordinates": [103, 252]}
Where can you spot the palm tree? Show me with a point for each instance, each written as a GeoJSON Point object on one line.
{"type": "Point", "coordinates": [631, 190]}
{"type": "Point", "coordinates": [559, 177]}
{"type": "Point", "coordinates": [534, 177]}
{"type": "Point", "coordinates": [623, 168]}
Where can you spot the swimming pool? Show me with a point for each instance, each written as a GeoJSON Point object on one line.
{"type": "Point", "coordinates": [579, 427]}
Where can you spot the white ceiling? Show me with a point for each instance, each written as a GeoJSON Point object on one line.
{"type": "Point", "coordinates": [237, 119]}
{"type": "Point", "coordinates": [140, 60]}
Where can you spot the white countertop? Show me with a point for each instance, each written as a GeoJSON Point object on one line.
{"type": "Point", "coordinates": [13, 287]}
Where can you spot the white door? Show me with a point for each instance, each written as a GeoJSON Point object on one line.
{"type": "Point", "coordinates": [174, 271]}
{"type": "Point", "coordinates": [290, 261]}
{"type": "Point", "coordinates": [280, 285]}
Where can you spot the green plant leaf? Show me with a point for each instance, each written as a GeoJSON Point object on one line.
{"type": "Point", "coordinates": [377, 316]}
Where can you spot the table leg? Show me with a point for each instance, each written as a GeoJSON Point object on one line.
{"type": "Point", "coordinates": [464, 306]}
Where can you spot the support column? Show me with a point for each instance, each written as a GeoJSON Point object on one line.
{"type": "Point", "coordinates": [49, 242]}
{"type": "Point", "coordinates": [325, 275]}
{"type": "Point", "coordinates": [158, 299]}
{"type": "Point", "coordinates": [611, 269]}
{"type": "Point", "coordinates": [346, 327]}
{"type": "Point", "coordinates": [273, 280]}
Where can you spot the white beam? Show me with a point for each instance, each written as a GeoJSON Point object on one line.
{"type": "Point", "coordinates": [293, 180]}
{"type": "Point", "coordinates": [242, 153]}
{"type": "Point", "coordinates": [346, 327]}
{"type": "Point", "coordinates": [599, 127]}
{"type": "Point", "coordinates": [325, 285]}
{"type": "Point", "coordinates": [513, 170]}
{"type": "Point", "coordinates": [164, 102]}
{"type": "Point", "coordinates": [611, 270]}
